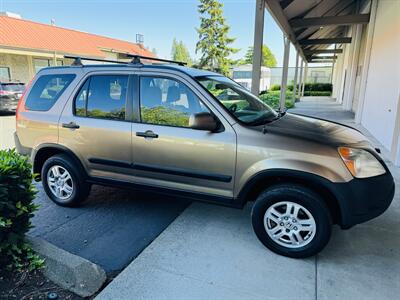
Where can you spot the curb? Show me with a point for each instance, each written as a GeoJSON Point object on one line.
{"type": "Point", "coordinates": [69, 271]}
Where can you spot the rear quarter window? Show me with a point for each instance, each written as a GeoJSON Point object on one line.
{"type": "Point", "coordinates": [46, 91]}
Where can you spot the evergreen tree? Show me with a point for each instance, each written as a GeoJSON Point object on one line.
{"type": "Point", "coordinates": [180, 52]}
{"type": "Point", "coordinates": [213, 41]}
{"type": "Point", "coordinates": [268, 58]}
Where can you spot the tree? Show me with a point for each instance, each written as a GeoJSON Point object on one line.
{"type": "Point", "coordinates": [180, 52]}
{"type": "Point", "coordinates": [268, 58]}
{"type": "Point", "coordinates": [213, 41]}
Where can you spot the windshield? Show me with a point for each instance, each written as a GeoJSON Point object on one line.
{"type": "Point", "coordinates": [13, 87]}
{"type": "Point", "coordinates": [243, 105]}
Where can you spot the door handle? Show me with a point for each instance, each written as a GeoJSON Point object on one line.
{"type": "Point", "coordinates": [147, 134]}
{"type": "Point", "coordinates": [71, 125]}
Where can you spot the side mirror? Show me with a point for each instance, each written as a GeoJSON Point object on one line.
{"type": "Point", "coordinates": [203, 121]}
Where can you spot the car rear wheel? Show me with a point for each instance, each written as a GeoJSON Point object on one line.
{"type": "Point", "coordinates": [292, 220]}
{"type": "Point", "coordinates": [62, 181]}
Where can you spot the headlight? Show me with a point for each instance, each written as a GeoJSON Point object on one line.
{"type": "Point", "coordinates": [361, 163]}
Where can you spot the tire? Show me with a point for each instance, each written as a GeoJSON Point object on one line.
{"type": "Point", "coordinates": [291, 235]}
{"type": "Point", "coordinates": [75, 180]}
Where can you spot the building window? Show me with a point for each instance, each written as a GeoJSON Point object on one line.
{"type": "Point", "coordinates": [40, 63]}
{"type": "Point", "coordinates": [5, 73]}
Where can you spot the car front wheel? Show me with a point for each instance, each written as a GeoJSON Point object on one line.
{"type": "Point", "coordinates": [292, 220]}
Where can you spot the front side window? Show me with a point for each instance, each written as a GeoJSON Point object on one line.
{"type": "Point", "coordinates": [46, 91]}
{"type": "Point", "coordinates": [165, 101]}
{"type": "Point", "coordinates": [243, 105]}
{"type": "Point", "coordinates": [103, 96]}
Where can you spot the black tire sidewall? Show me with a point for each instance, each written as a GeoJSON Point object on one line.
{"type": "Point", "coordinates": [307, 199]}
{"type": "Point", "coordinates": [65, 162]}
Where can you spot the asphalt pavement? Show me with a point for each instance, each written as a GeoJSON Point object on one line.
{"type": "Point", "coordinates": [111, 228]}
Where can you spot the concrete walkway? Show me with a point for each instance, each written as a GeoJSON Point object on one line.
{"type": "Point", "coordinates": [211, 252]}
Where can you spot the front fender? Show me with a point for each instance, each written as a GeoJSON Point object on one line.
{"type": "Point", "coordinates": [329, 171]}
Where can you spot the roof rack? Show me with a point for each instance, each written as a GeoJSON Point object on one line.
{"type": "Point", "coordinates": [78, 60]}
{"type": "Point", "coordinates": [136, 60]}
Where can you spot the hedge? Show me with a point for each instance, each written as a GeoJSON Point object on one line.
{"type": "Point", "coordinates": [323, 87]}
{"type": "Point", "coordinates": [317, 93]}
{"type": "Point", "coordinates": [16, 209]}
{"type": "Point", "coordinates": [272, 99]}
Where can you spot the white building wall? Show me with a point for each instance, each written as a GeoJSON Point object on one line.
{"type": "Point", "coordinates": [381, 101]}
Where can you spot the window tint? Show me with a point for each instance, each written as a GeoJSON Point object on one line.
{"type": "Point", "coordinates": [47, 90]}
{"type": "Point", "coordinates": [12, 87]}
{"type": "Point", "coordinates": [103, 96]}
{"type": "Point", "coordinates": [167, 102]}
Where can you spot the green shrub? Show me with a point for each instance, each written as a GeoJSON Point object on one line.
{"type": "Point", "coordinates": [16, 208]}
{"type": "Point", "coordinates": [317, 93]}
{"type": "Point", "coordinates": [272, 99]}
{"type": "Point", "coordinates": [275, 87]}
{"type": "Point", "coordinates": [322, 87]}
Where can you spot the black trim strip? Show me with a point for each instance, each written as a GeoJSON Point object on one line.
{"type": "Point", "coordinates": [107, 162]}
{"type": "Point", "coordinates": [183, 172]}
{"type": "Point", "coordinates": [163, 170]}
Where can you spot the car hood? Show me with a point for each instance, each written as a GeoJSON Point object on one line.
{"type": "Point", "coordinates": [317, 130]}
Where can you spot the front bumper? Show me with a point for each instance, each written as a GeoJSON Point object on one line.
{"type": "Point", "coordinates": [361, 200]}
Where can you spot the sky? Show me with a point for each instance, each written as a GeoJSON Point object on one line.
{"type": "Point", "coordinates": [159, 21]}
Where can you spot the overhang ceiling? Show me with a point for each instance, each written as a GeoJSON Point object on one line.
{"type": "Point", "coordinates": [318, 27]}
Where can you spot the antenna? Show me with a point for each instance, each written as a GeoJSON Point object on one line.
{"type": "Point", "coordinates": [139, 38]}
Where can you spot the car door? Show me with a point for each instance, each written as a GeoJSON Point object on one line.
{"type": "Point", "coordinates": [95, 125]}
{"type": "Point", "coordinates": [167, 153]}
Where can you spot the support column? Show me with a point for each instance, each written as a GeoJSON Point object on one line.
{"type": "Point", "coordinates": [296, 70]}
{"type": "Point", "coordinates": [285, 70]}
{"type": "Point", "coordinates": [351, 70]}
{"type": "Point", "coordinates": [365, 69]}
{"type": "Point", "coordinates": [304, 78]}
{"type": "Point", "coordinates": [257, 49]}
{"type": "Point", "coordinates": [31, 69]}
{"type": "Point", "coordinates": [300, 79]}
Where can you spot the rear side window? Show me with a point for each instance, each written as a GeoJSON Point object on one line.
{"type": "Point", "coordinates": [12, 87]}
{"type": "Point", "coordinates": [103, 96]}
{"type": "Point", "coordinates": [47, 90]}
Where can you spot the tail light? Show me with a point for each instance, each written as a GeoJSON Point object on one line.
{"type": "Point", "coordinates": [5, 92]}
{"type": "Point", "coordinates": [21, 103]}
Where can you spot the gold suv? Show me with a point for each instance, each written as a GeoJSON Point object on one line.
{"type": "Point", "coordinates": [197, 134]}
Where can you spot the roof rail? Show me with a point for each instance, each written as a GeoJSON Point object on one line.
{"type": "Point", "coordinates": [136, 59]}
{"type": "Point", "coordinates": [78, 60]}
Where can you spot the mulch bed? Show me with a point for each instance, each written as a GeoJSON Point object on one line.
{"type": "Point", "coordinates": [31, 285]}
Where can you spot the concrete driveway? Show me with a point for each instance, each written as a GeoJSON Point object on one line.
{"type": "Point", "coordinates": [211, 252]}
